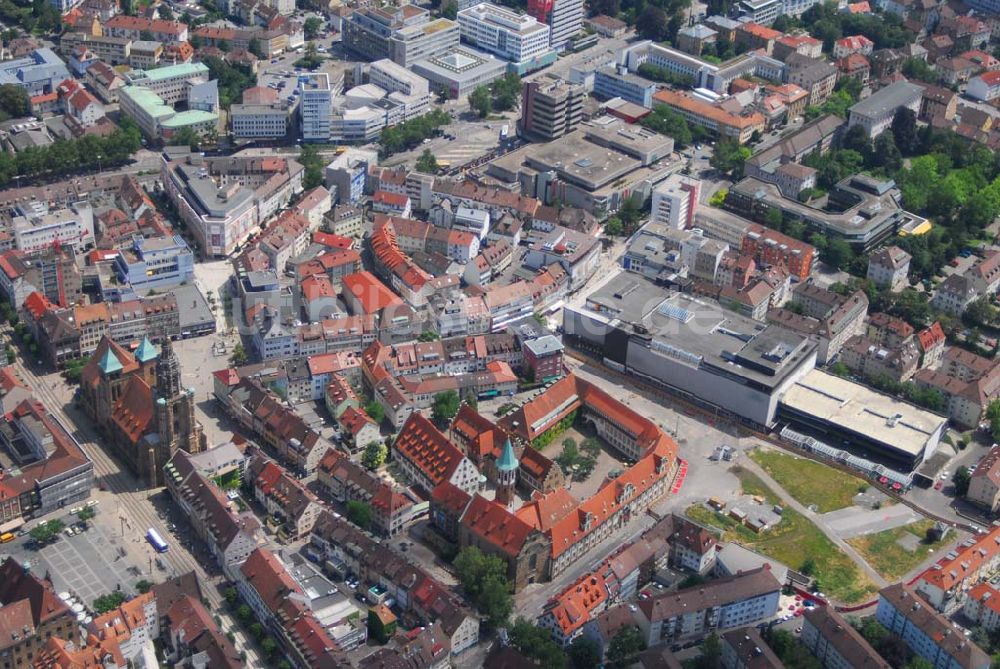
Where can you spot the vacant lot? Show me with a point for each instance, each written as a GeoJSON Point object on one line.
{"type": "Point", "coordinates": [793, 542]}
{"type": "Point", "coordinates": [893, 553]}
{"type": "Point", "coordinates": [809, 482]}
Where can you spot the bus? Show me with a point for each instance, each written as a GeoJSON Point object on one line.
{"type": "Point", "coordinates": [6, 536]}
{"type": "Point", "coordinates": [156, 541]}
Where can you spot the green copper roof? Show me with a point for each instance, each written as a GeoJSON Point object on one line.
{"type": "Point", "coordinates": [507, 461]}
{"type": "Point", "coordinates": [109, 362]}
{"type": "Point", "coordinates": [146, 351]}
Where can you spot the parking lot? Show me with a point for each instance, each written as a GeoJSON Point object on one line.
{"type": "Point", "coordinates": [88, 564]}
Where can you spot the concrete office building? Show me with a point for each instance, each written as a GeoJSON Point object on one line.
{"type": "Point", "coordinates": [259, 121]}
{"type": "Point", "coordinates": [460, 71]}
{"type": "Point", "coordinates": [675, 202]}
{"type": "Point", "coordinates": [550, 107]}
{"type": "Point", "coordinates": [36, 226]}
{"type": "Point", "coordinates": [762, 12]}
{"type": "Point", "coordinates": [886, 429]}
{"type": "Point", "coordinates": [517, 38]}
{"type": "Point", "coordinates": [315, 107]}
{"type": "Point", "coordinates": [692, 347]}
{"type": "Point", "coordinates": [394, 78]}
{"type": "Point", "coordinates": [860, 209]}
{"type": "Point", "coordinates": [170, 83]}
{"type": "Point", "coordinates": [417, 42]}
{"type": "Point", "coordinates": [157, 119]}
{"type": "Point", "coordinates": [595, 168]}
{"type": "Point", "coordinates": [701, 73]}
{"type": "Point", "coordinates": [155, 262]}
{"type": "Point", "coordinates": [875, 113]}
{"type": "Point", "coordinates": [617, 82]}
{"type": "Point", "coordinates": [348, 173]}
{"type": "Point", "coordinates": [927, 633]}
{"type": "Point", "coordinates": [39, 72]}
{"type": "Point", "coordinates": [564, 17]}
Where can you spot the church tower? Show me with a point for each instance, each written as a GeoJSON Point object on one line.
{"type": "Point", "coordinates": [176, 423]}
{"type": "Point", "coordinates": [146, 355]}
{"type": "Point", "coordinates": [506, 475]}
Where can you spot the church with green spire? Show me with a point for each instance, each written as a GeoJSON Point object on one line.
{"type": "Point", "coordinates": [137, 401]}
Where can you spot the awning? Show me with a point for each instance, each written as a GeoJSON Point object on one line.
{"type": "Point", "coordinates": [11, 525]}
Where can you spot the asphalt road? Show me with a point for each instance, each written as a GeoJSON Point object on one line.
{"type": "Point", "coordinates": [135, 502]}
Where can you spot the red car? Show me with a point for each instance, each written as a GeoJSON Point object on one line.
{"type": "Point", "coordinates": [939, 485]}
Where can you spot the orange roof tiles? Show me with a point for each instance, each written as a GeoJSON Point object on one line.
{"type": "Point", "coordinates": [370, 293]}
{"type": "Point", "coordinates": [427, 449]}
{"type": "Point", "coordinates": [493, 523]}
{"type": "Point", "coordinates": [613, 496]}
{"type": "Point", "coordinates": [544, 511]}
{"type": "Point", "coordinates": [575, 605]}
{"type": "Point", "coordinates": [969, 558]}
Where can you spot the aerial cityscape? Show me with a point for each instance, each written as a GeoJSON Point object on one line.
{"type": "Point", "coordinates": [510, 334]}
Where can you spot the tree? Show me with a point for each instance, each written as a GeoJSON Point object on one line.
{"type": "Point", "coordinates": [86, 513]}
{"type": "Point", "coordinates": [993, 416]}
{"type": "Point", "coordinates": [232, 79]}
{"type": "Point", "coordinates": [445, 406]}
{"type": "Point", "coordinates": [808, 567]}
{"type": "Point", "coordinates": [449, 10]}
{"type": "Point", "coordinates": [311, 27]}
{"type": "Point", "coordinates": [143, 586]}
{"type": "Point", "coordinates": [146, 36]}
{"type": "Point", "coordinates": [484, 579]}
{"type": "Point", "coordinates": [14, 101]}
{"type": "Point", "coordinates": [904, 131]}
{"type": "Point", "coordinates": [584, 653]}
{"type": "Point", "coordinates": [653, 23]}
{"type": "Point", "coordinates": [668, 122]}
{"type": "Point", "coordinates": [313, 164]}
{"type": "Point", "coordinates": [626, 644]}
{"type": "Point", "coordinates": [257, 630]}
{"type": "Point", "coordinates": [375, 411]}
{"type": "Point", "coordinates": [885, 153]}
{"type": "Point", "coordinates": [961, 479]}
{"type": "Point", "coordinates": [537, 644]}
{"type": "Point", "coordinates": [427, 163]}
{"type": "Point", "coordinates": [359, 513]}
{"type": "Point", "coordinates": [919, 663]}
{"type": "Point", "coordinates": [45, 532]}
{"type": "Point", "coordinates": [244, 612]}
{"type": "Point", "coordinates": [613, 227]}
{"type": "Point", "coordinates": [481, 101]}
{"type": "Point", "coordinates": [231, 595]}
{"type": "Point", "coordinates": [630, 213]}
{"type": "Point", "coordinates": [239, 356]}
{"type": "Point", "coordinates": [268, 645]}
{"type": "Point", "coordinates": [108, 602]}
{"type": "Point", "coordinates": [257, 49]}
{"type": "Point", "coordinates": [163, 9]}
{"type": "Point", "coordinates": [837, 253]}
{"type": "Point", "coordinates": [375, 455]}
{"type": "Point", "coordinates": [729, 156]}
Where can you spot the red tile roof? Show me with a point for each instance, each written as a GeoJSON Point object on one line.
{"type": "Point", "coordinates": [970, 556]}
{"type": "Point", "coordinates": [494, 524]}
{"type": "Point", "coordinates": [427, 449]}
{"type": "Point", "coordinates": [575, 605]}
{"type": "Point", "coordinates": [133, 412]}
{"type": "Point", "coordinates": [371, 294]}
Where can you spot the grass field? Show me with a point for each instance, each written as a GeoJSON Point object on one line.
{"type": "Point", "coordinates": [883, 552]}
{"type": "Point", "coordinates": [793, 541]}
{"type": "Point", "coordinates": [809, 482]}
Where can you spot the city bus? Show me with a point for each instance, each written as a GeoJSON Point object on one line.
{"type": "Point", "coordinates": [156, 541]}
